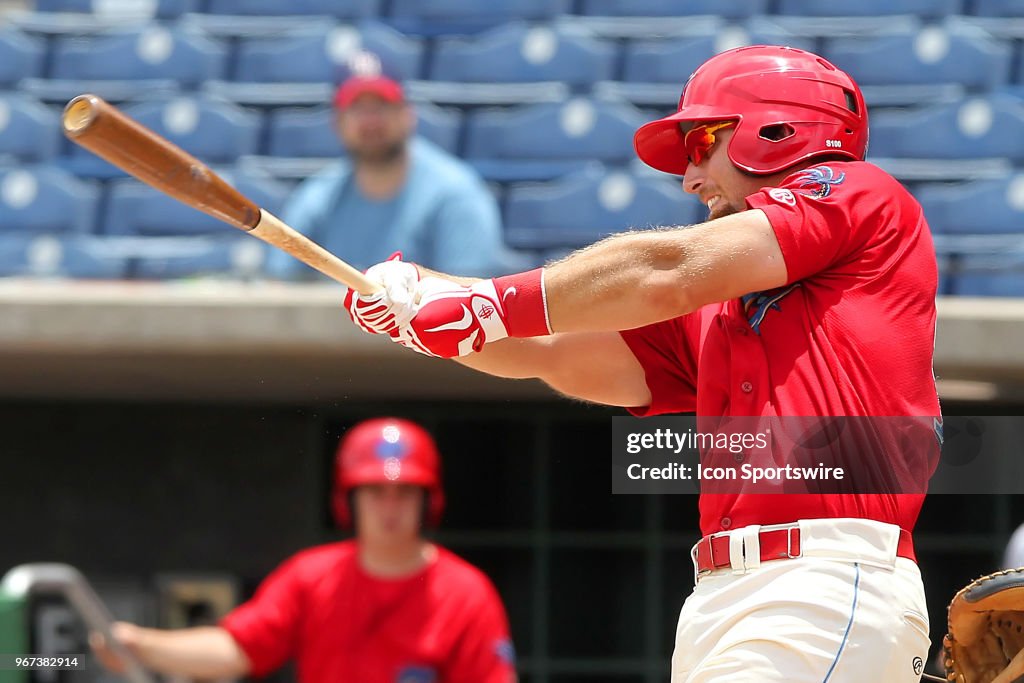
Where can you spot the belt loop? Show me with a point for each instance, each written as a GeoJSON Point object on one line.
{"type": "Point", "coordinates": [693, 557]}
{"type": "Point", "coordinates": [751, 546]}
{"type": "Point", "coordinates": [736, 559]}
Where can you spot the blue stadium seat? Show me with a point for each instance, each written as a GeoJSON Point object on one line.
{"type": "Point", "coordinates": [50, 256]}
{"type": "Point", "coordinates": [962, 54]}
{"type": "Point", "coordinates": [28, 129]}
{"type": "Point", "coordinates": [165, 9]}
{"type": "Point", "coordinates": [21, 56]}
{"type": "Point", "coordinates": [139, 210]}
{"type": "Point", "coordinates": [516, 53]}
{"type": "Point", "coordinates": [985, 207]}
{"type": "Point", "coordinates": [169, 258]}
{"type": "Point", "coordinates": [310, 132]}
{"type": "Point", "coordinates": [870, 8]}
{"type": "Point", "coordinates": [153, 52]}
{"type": "Point", "coordinates": [739, 9]}
{"type": "Point", "coordinates": [584, 207]}
{"type": "Point", "coordinates": [438, 17]}
{"type": "Point", "coordinates": [673, 60]}
{"type": "Point", "coordinates": [45, 200]}
{"type": "Point", "coordinates": [999, 8]}
{"type": "Point", "coordinates": [350, 9]}
{"type": "Point", "coordinates": [579, 129]}
{"type": "Point", "coordinates": [321, 55]}
{"type": "Point", "coordinates": [212, 130]}
{"type": "Point", "coordinates": [974, 129]}
{"type": "Point", "coordinates": [990, 275]}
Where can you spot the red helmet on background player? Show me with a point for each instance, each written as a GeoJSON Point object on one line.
{"type": "Point", "coordinates": [790, 105]}
{"type": "Point", "coordinates": [387, 451]}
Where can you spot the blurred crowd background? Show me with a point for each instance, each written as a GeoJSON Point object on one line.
{"type": "Point", "coordinates": [173, 439]}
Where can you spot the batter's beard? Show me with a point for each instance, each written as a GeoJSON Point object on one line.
{"type": "Point", "coordinates": [382, 156]}
{"type": "Point", "coordinates": [722, 210]}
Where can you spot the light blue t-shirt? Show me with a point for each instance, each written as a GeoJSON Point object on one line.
{"type": "Point", "coordinates": [444, 218]}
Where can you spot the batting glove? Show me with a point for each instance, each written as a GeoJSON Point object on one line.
{"type": "Point", "coordinates": [453, 320]}
{"type": "Point", "coordinates": [392, 306]}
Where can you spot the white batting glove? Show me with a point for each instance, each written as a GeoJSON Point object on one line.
{"type": "Point", "coordinates": [391, 307]}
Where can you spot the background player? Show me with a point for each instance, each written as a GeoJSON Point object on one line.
{"type": "Point", "coordinates": [386, 607]}
{"type": "Point", "coordinates": [809, 291]}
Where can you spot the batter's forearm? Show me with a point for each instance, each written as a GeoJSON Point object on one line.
{"type": "Point", "coordinates": [202, 652]}
{"type": "Point", "coordinates": [622, 282]}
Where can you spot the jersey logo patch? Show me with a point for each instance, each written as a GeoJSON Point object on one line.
{"type": "Point", "coordinates": [782, 196]}
{"type": "Point", "coordinates": [757, 304]}
{"type": "Point", "coordinates": [822, 178]}
{"type": "Point", "coordinates": [506, 651]}
{"type": "Point", "coordinates": [417, 674]}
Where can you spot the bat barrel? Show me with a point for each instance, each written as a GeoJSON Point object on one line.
{"type": "Point", "coordinates": [103, 130]}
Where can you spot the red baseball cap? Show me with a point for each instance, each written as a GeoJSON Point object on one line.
{"type": "Point", "coordinates": [382, 86]}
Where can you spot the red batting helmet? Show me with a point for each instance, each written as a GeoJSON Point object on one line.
{"type": "Point", "coordinates": [790, 105]}
{"type": "Point", "coordinates": [387, 450]}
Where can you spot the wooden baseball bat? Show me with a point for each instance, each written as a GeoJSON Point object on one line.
{"type": "Point", "coordinates": [106, 132]}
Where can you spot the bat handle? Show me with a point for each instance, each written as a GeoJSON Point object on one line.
{"type": "Point", "coordinates": [273, 230]}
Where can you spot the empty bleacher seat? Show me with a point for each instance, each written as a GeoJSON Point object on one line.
{"type": "Point", "coordinates": [584, 207]}
{"type": "Point", "coordinates": [52, 256]}
{"type": "Point", "coordinates": [168, 258]}
{"type": "Point", "coordinates": [311, 132]}
{"type": "Point", "coordinates": [986, 207]}
{"type": "Point", "coordinates": [212, 130]}
{"type": "Point", "coordinates": [21, 56]}
{"type": "Point", "coordinates": [673, 60]}
{"type": "Point", "coordinates": [989, 275]}
{"type": "Point", "coordinates": [29, 130]}
{"type": "Point", "coordinates": [351, 9]}
{"type": "Point", "coordinates": [983, 127]}
{"type": "Point", "coordinates": [999, 8]}
{"type": "Point", "coordinates": [454, 16]}
{"type": "Point", "coordinates": [870, 8]}
{"type": "Point", "coordinates": [45, 200]}
{"type": "Point", "coordinates": [517, 53]}
{"type": "Point", "coordinates": [322, 55]}
{"type": "Point", "coordinates": [139, 210]}
{"type": "Point", "coordinates": [152, 52]}
{"type": "Point", "coordinates": [545, 140]}
{"type": "Point", "coordinates": [935, 54]}
{"type": "Point", "coordinates": [668, 8]}
{"type": "Point", "coordinates": [165, 9]}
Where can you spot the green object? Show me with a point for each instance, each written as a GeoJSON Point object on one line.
{"type": "Point", "coordinates": [13, 633]}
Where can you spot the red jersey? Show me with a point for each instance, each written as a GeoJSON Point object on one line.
{"type": "Point", "coordinates": [850, 334]}
{"type": "Point", "coordinates": [444, 624]}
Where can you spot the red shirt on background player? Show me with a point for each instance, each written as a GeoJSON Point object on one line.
{"type": "Point", "coordinates": [386, 607]}
{"type": "Point", "coordinates": [810, 291]}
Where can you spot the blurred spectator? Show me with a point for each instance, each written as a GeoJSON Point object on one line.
{"type": "Point", "coordinates": [387, 606]}
{"type": "Point", "coordinates": [394, 192]}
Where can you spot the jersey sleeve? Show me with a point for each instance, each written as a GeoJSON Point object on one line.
{"type": "Point", "coordinates": [669, 368]}
{"type": "Point", "coordinates": [484, 652]}
{"type": "Point", "coordinates": [267, 626]}
{"type": "Point", "coordinates": [822, 216]}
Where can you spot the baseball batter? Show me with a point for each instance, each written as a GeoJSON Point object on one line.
{"type": "Point", "coordinates": [809, 291]}
{"type": "Point", "coordinates": [387, 607]}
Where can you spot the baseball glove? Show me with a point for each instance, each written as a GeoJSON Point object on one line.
{"type": "Point", "coordinates": [986, 630]}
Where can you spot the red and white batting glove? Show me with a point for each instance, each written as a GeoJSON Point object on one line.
{"type": "Point", "coordinates": [392, 306]}
{"type": "Point", "coordinates": [453, 320]}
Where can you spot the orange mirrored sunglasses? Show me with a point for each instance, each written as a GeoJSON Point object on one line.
{"type": "Point", "coordinates": [698, 140]}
